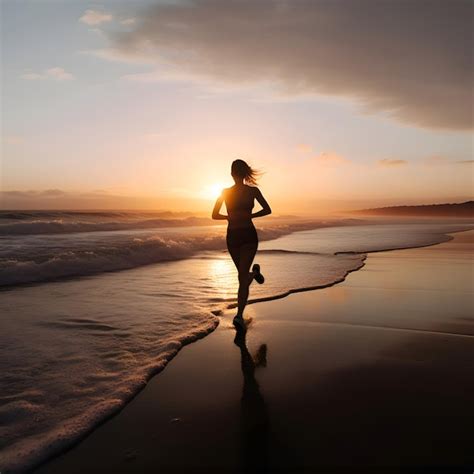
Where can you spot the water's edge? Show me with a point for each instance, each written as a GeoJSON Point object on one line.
{"type": "Point", "coordinates": [364, 255]}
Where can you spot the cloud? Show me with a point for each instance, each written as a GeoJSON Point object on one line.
{"type": "Point", "coordinates": [115, 55]}
{"type": "Point", "coordinates": [128, 21]}
{"type": "Point", "coordinates": [59, 74]}
{"type": "Point", "coordinates": [54, 73]}
{"type": "Point", "coordinates": [95, 17]}
{"type": "Point", "coordinates": [442, 160]}
{"type": "Point", "coordinates": [148, 77]}
{"type": "Point", "coordinates": [388, 162]}
{"type": "Point", "coordinates": [408, 60]}
{"type": "Point", "coordinates": [330, 158]}
{"type": "Point", "coordinates": [53, 193]}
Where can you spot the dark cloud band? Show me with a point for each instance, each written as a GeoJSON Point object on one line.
{"type": "Point", "coordinates": [411, 60]}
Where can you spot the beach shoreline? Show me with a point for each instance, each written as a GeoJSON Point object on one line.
{"type": "Point", "coordinates": [171, 425]}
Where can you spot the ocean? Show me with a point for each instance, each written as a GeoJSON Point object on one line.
{"type": "Point", "coordinates": [94, 304]}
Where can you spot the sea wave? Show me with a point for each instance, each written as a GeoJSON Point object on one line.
{"type": "Point", "coordinates": [58, 214]}
{"type": "Point", "coordinates": [104, 258]}
{"type": "Point", "coordinates": [73, 258]}
{"type": "Point", "coordinates": [62, 226]}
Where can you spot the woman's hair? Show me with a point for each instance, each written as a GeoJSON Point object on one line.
{"type": "Point", "coordinates": [242, 170]}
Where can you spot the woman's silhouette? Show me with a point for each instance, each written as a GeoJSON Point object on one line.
{"type": "Point", "coordinates": [242, 239]}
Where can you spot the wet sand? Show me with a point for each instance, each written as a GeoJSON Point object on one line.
{"type": "Point", "coordinates": [372, 375]}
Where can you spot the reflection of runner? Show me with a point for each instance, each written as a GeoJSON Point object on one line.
{"type": "Point", "coordinates": [254, 411]}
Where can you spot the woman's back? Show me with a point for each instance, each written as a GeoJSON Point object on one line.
{"type": "Point", "coordinates": [239, 201]}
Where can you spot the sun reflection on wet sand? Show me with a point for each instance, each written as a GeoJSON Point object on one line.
{"type": "Point", "coordinates": [223, 274]}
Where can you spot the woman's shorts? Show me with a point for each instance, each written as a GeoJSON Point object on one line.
{"type": "Point", "coordinates": [241, 236]}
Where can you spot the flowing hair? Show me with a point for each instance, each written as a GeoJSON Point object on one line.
{"type": "Point", "coordinates": [242, 170]}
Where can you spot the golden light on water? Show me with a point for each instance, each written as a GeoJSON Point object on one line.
{"type": "Point", "coordinates": [224, 274]}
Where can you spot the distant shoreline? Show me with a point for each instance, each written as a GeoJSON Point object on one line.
{"type": "Point", "coordinates": [465, 209]}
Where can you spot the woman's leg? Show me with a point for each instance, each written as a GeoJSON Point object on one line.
{"type": "Point", "coordinates": [247, 254]}
{"type": "Point", "coordinates": [235, 254]}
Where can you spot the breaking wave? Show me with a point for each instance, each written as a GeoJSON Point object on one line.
{"type": "Point", "coordinates": [43, 258]}
{"type": "Point", "coordinates": [60, 226]}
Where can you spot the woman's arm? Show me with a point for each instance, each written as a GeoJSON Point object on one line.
{"type": "Point", "coordinates": [216, 215]}
{"type": "Point", "coordinates": [266, 210]}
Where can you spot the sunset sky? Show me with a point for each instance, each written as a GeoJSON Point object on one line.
{"type": "Point", "coordinates": [144, 104]}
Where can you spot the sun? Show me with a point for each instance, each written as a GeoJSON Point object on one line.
{"type": "Point", "coordinates": [212, 191]}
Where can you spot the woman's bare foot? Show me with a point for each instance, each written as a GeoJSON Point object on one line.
{"type": "Point", "coordinates": [258, 277]}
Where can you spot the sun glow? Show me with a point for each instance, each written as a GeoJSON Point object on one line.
{"type": "Point", "coordinates": [212, 191]}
